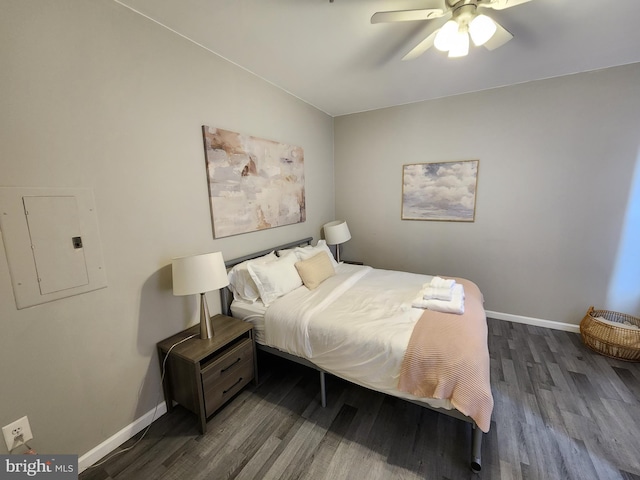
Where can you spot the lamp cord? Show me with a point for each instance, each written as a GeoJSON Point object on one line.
{"type": "Point", "coordinates": [155, 411]}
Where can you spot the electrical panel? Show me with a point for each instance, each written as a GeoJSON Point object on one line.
{"type": "Point", "coordinates": [52, 243]}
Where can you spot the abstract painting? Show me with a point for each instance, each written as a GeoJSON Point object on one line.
{"type": "Point", "coordinates": [254, 184]}
{"type": "Point", "coordinates": [443, 191]}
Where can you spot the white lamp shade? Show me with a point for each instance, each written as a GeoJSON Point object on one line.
{"type": "Point", "coordinates": [481, 29]}
{"type": "Point", "coordinates": [336, 232]}
{"type": "Point", "coordinates": [198, 273]}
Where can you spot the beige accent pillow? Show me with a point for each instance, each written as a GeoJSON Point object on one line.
{"type": "Point", "coordinates": [315, 270]}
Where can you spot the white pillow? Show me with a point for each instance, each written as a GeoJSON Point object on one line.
{"type": "Point", "coordinates": [240, 281]}
{"type": "Point", "coordinates": [275, 279]}
{"type": "Point", "coordinates": [304, 253]}
{"type": "Point", "coordinates": [283, 253]}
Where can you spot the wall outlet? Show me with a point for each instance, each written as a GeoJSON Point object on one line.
{"type": "Point", "coordinates": [14, 430]}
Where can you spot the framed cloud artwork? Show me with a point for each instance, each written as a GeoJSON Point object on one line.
{"type": "Point", "coordinates": [444, 191]}
{"type": "Point", "coordinates": [254, 184]}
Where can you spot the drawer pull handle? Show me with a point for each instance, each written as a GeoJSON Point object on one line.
{"type": "Point", "coordinates": [224, 392]}
{"type": "Point", "coordinates": [227, 368]}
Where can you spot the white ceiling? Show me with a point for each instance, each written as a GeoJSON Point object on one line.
{"type": "Point", "coordinates": [332, 57]}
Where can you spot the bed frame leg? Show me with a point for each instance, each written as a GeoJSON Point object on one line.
{"type": "Point", "coordinates": [323, 390]}
{"type": "Point", "coordinates": [476, 449]}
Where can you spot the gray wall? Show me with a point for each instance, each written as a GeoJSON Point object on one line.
{"type": "Point", "coordinates": [94, 95]}
{"type": "Point", "coordinates": [557, 159]}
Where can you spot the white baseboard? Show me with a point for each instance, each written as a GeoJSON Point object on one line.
{"type": "Point", "coordinates": [538, 322]}
{"type": "Point", "coordinates": [113, 442]}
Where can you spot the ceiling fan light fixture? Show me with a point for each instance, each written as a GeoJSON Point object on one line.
{"type": "Point", "coordinates": [481, 29]}
{"type": "Point", "coordinates": [460, 45]}
{"type": "Point", "coordinates": [445, 37]}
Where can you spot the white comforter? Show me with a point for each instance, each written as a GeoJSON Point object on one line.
{"type": "Point", "coordinates": [356, 324]}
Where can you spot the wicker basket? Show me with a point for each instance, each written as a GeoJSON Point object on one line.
{"type": "Point", "coordinates": [617, 342]}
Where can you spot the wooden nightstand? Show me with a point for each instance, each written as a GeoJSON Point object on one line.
{"type": "Point", "coordinates": [201, 375]}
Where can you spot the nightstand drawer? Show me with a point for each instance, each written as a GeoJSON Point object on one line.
{"type": "Point", "coordinates": [218, 391]}
{"type": "Point", "coordinates": [225, 374]}
{"type": "Point", "coordinates": [224, 363]}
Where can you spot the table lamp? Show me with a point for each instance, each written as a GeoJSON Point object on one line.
{"type": "Point", "coordinates": [335, 233]}
{"type": "Point", "coordinates": [200, 274]}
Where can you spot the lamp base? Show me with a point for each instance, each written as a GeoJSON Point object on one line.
{"type": "Point", "coordinates": [206, 327]}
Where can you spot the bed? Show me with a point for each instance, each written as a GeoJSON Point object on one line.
{"type": "Point", "coordinates": [345, 320]}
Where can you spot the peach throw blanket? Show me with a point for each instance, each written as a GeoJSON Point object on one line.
{"type": "Point", "coordinates": [448, 358]}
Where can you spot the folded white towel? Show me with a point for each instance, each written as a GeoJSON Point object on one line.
{"type": "Point", "coordinates": [439, 282]}
{"type": "Point", "coordinates": [419, 302]}
{"type": "Point", "coordinates": [455, 305]}
{"type": "Point", "coordinates": [432, 293]}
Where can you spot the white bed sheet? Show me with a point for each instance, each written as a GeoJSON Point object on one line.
{"type": "Point", "coordinates": [252, 312]}
{"type": "Point", "coordinates": [368, 349]}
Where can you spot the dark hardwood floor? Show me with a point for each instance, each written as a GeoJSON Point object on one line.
{"type": "Point", "coordinates": [561, 412]}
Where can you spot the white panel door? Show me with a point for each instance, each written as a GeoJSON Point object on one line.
{"type": "Point", "coordinates": [56, 241]}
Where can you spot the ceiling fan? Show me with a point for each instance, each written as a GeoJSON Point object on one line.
{"type": "Point", "coordinates": [464, 19]}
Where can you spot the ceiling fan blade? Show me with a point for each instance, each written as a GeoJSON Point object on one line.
{"type": "Point", "coordinates": [501, 4]}
{"type": "Point", "coordinates": [406, 15]}
{"type": "Point", "coordinates": [422, 47]}
{"type": "Point", "coordinates": [499, 38]}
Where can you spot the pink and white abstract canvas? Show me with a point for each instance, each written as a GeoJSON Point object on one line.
{"type": "Point", "coordinates": [254, 184]}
